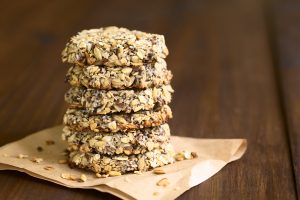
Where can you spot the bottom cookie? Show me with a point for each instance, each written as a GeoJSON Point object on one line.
{"type": "Point", "coordinates": [121, 164]}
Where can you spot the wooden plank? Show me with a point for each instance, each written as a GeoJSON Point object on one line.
{"type": "Point", "coordinates": [231, 92]}
{"type": "Point", "coordinates": [285, 27]}
{"type": "Point", "coordinates": [32, 87]}
{"type": "Point", "coordinates": [223, 77]}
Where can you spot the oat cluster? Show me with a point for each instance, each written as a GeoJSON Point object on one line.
{"type": "Point", "coordinates": [118, 110]}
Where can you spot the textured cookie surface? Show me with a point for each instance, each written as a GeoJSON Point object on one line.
{"type": "Point", "coordinates": [131, 142]}
{"type": "Point", "coordinates": [111, 101]}
{"type": "Point", "coordinates": [113, 46]}
{"type": "Point", "coordinates": [78, 119]}
{"type": "Point", "coordinates": [122, 163]}
{"type": "Point", "coordinates": [145, 76]}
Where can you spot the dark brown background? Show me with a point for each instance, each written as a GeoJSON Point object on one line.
{"type": "Point", "coordinates": [236, 68]}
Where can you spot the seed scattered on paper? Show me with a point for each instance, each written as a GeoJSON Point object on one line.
{"type": "Point", "coordinates": [22, 156]}
{"type": "Point", "coordinates": [70, 177]}
{"type": "Point", "coordinates": [158, 171]}
{"type": "Point", "coordinates": [37, 160]}
{"type": "Point", "coordinates": [163, 182]}
{"type": "Point", "coordinates": [48, 168]}
{"type": "Point", "coordinates": [83, 178]}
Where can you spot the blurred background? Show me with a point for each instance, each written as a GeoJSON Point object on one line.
{"type": "Point", "coordinates": [236, 75]}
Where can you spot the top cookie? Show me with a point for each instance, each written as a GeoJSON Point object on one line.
{"type": "Point", "coordinates": [113, 46]}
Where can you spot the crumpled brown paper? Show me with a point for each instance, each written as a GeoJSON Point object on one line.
{"type": "Point", "coordinates": [213, 154]}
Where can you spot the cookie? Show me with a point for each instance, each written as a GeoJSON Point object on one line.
{"type": "Point", "coordinates": [145, 76]}
{"type": "Point", "coordinates": [131, 142]}
{"type": "Point", "coordinates": [80, 120]}
{"type": "Point", "coordinates": [121, 164]}
{"type": "Point", "coordinates": [113, 46]}
{"type": "Point", "coordinates": [112, 101]}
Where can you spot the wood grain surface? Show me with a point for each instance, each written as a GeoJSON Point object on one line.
{"type": "Point", "coordinates": [286, 42]}
{"type": "Point", "coordinates": [233, 79]}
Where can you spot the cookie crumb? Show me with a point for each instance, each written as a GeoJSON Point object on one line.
{"type": "Point", "coordinates": [163, 182]}
{"type": "Point", "coordinates": [21, 156]}
{"type": "Point", "coordinates": [158, 171]}
{"type": "Point", "coordinates": [37, 160]}
{"type": "Point", "coordinates": [48, 168]}
{"type": "Point", "coordinates": [63, 161]}
{"type": "Point", "coordinates": [39, 149]}
{"type": "Point", "coordinates": [50, 142]}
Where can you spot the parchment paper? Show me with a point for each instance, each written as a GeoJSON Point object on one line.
{"type": "Point", "coordinates": [213, 155]}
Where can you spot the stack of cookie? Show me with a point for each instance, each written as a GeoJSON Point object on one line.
{"type": "Point", "coordinates": [118, 101]}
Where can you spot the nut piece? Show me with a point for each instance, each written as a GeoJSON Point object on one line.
{"type": "Point", "coordinates": [114, 173]}
{"type": "Point", "coordinates": [93, 126]}
{"type": "Point", "coordinates": [97, 53]}
{"type": "Point", "coordinates": [163, 182]}
{"type": "Point", "coordinates": [83, 178]}
{"type": "Point", "coordinates": [125, 140]}
{"type": "Point", "coordinates": [158, 171]}
{"type": "Point", "coordinates": [68, 177]}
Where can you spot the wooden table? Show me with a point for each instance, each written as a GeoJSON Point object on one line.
{"type": "Point", "coordinates": [236, 68]}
